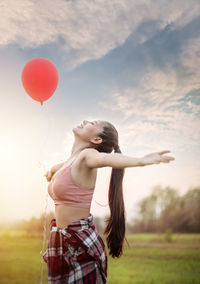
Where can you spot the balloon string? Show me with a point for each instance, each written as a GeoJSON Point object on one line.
{"type": "Point", "coordinates": [42, 146]}
{"type": "Point", "coordinates": [44, 241]}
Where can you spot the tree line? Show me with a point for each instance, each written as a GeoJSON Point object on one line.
{"type": "Point", "coordinates": [161, 210]}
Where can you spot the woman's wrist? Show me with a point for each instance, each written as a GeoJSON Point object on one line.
{"type": "Point", "coordinates": [141, 162]}
{"type": "Point", "coordinates": [145, 162]}
{"type": "Point", "coordinates": [56, 167]}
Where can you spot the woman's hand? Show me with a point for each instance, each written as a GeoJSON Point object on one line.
{"type": "Point", "coordinates": [49, 175]}
{"type": "Point", "coordinates": [157, 158]}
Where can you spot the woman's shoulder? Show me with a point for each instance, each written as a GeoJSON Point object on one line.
{"type": "Point", "coordinates": [88, 152]}
{"type": "Point", "coordinates": [90, 157]}
{"type": "Point", "coordinates": [81, 164]}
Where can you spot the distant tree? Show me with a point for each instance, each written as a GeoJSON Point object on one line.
{"type": "Point", "coordinates": [165, 210]}
{"type": "Point", "coordinates": [184, 215]}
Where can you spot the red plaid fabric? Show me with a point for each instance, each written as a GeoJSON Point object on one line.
{"type": "Point", "coordinates": [76, 254]}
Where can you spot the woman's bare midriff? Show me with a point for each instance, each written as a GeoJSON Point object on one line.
{"type": "Point", "coordinates": [65, 214]}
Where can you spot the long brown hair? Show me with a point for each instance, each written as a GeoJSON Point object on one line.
{"type": "Point", "coordinates": [116, 222]}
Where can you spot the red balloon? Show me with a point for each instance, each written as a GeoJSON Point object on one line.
{"type": "Point", "coordinates": [40, 79]}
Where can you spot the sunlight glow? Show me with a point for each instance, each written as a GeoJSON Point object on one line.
{"type": "Point", "coordinates": [8, 148]}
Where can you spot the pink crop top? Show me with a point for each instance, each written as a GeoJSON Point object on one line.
{"type": "Point", "coordinates": [63, 190]}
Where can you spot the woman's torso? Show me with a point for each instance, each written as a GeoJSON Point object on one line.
{"type": "Point", "coordinates": [84, 177]}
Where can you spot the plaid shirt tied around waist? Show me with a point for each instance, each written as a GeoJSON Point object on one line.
{"type": "Point", "coordinates": [76, 254]}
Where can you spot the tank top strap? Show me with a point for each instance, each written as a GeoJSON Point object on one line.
{"type": "Point", "coordinates": [73, 161]}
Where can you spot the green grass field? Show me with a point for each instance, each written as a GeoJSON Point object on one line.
{"type": "Point", "coordinates": [150, 259]}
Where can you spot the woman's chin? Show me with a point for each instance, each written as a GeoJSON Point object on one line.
{"type": "Point", "coordinates": [76, 128]}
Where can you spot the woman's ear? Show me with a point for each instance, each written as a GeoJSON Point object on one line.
{"type": "Point", "coordinates": [97, 140]}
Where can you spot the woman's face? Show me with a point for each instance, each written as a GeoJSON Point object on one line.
{"type": "Point", "coordinates": [89, 129]}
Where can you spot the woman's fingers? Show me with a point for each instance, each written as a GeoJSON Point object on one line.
{"type": "Point", "coordinates": [170, 158]}
{"type": "Point", "coordinates": [48, 175]}
{"type": "Point", "coordinates": [167, 159]}
{"type": "Point", "coordinates": [163, 152]}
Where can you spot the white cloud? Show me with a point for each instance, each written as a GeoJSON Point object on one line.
{"type": "Point", "coordinates": [153, 111]}
{"type": "Point", "coordinates": [191, 62]}
{"type": "Point", "coordinates": [154, 89]}
{"type": "Point", "coordinates": [89, 28]}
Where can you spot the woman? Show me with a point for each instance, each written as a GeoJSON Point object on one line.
{"type": "Point", "coordinates": [76, 253]}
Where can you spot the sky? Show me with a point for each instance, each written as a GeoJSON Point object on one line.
{"type": "Point", "coordinates": [132, 63]}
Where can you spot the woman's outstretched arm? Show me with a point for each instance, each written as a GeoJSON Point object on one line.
{"type": "Point", "coordinates": [56, 167]}
{"type": "Point", "coordinates": [53, 170]}
{"type": "Point", "coordinates": [95, 159]}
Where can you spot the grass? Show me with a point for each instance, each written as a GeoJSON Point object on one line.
{"type": "Point", "coordinates": [149, 260]}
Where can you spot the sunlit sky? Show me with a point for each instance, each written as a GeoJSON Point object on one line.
{"type": "Point", "coordinates": [133, 63]}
